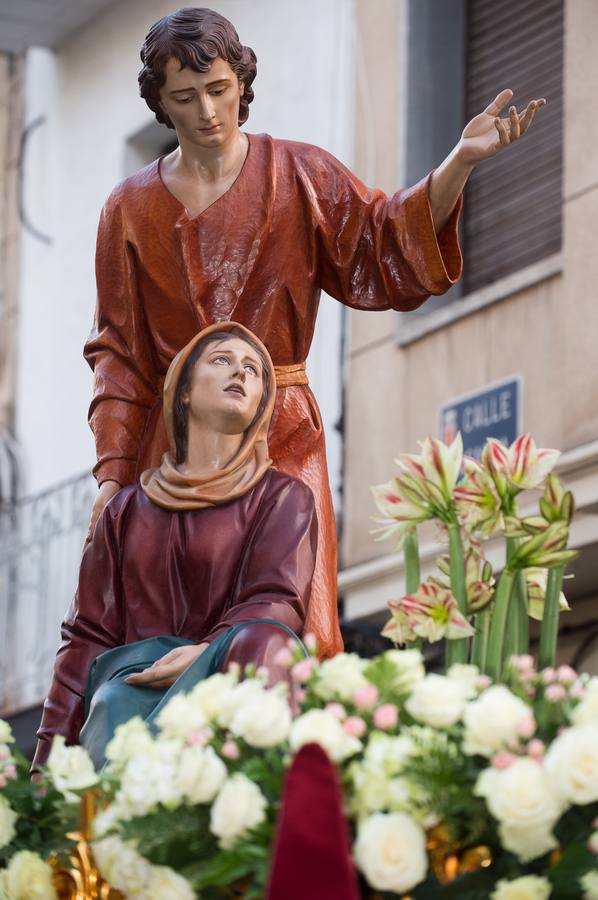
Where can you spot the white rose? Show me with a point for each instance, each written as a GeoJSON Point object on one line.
{"type": "Point", "coordinates": [150, 778]}
{"type": "Point", "coordinates": [211, 693]}
{"type": "Point", "coordinates": [437, 701]}
{"type": "Point", "coordinates": [28, 877]}
{"type": "Point", "coordinates": [166, 884]}
{"type": "Point", "coordinates": [492, 719]}
{"type": "Point", "coordinates": [589, 883]}
{"type": "Point", "coordinates": [320, 727]}
{"type": "Point", "coordinates": [467, 675]}
{"type": "Point", "coordinates": [201, 774]}
{"type": "Point", "coordinates": [121, 865]}
{"type": "Point", "coordinates": [71, 769]}
{"type": "Point", "coordinates": [390, 850]}
{"type": "Point", "coordinates": [181, 717]}
{"type": "Point", "coordinates": [572, 764]}
{"type": "Point", "coordinates": [520, 797]}
{"type": "Point", "coordinates": [129, 740]}
{"type": "Point", "coordinates": [239, 806]}
{"type": "Point", "coordinates": [341, 676]}
{"type": "Point", "coordinates": [529, 887]}
{"type": "Point", "coordinates": [370, 789]}
{"type": "Point", "coordinates": [388, 752]}
{"type": "Point", "coordinates": [527, 843]}
{"type": "Point", "coordinates": [8, 817]}
{"type": "Point", "coordinates": [6, 736]}
{"type": "Point", "coordinates": [409, 666]}
{"type": "Point", "coordinates": [587, 710]}
{"type": "Point", "coordinates": [237, 698]}
{"type": "Point", "coordinates": [265, 720]}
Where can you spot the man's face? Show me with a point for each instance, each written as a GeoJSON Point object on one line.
{"type": "Point", "coordinates": [202, 106]}
{"type": "Point", "coordinates": [226, 386]}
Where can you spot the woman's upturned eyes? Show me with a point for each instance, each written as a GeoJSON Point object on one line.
{"type": "Point", "coordinates": [247, 366]}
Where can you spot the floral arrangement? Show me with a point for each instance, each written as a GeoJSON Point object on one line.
{"type": "Point", "coordinates": [481, 782]}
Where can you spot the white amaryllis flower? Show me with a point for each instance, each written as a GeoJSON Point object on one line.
{"type": "Point", "coordinates": [265, 720]}
{"type": "Point", "coordinates": [71, 769]}
{"type": "Point", "coordinates": [430, 612]}
{"type": "Point", "coordinates": [181, 717]}
{"type": "Point", "coordinates": [437, 700]}
{"type": "Point", "coordinates": [572, 764]}
{"type": "Point", "coordinates": [520, 467]}
{"type": "Point", "coordinates": [520, 797]}
{"type": "Point", "coordinates": [589, 884]}
{"type": "Point", "coordinates": [390, 850]}
{"type": "Point", "coordinates": [320, 727]}
{"type": "Point", "coordinates": [477, 500]}
{"type": "Point", "coordinates": [239, 806]}
{"type": "Point", "coordinates": [587, 710]}
{"type": "Point", "coordinates": [121, 865]}
{"type": "Point", "coordinates": [442, 463]}
{"type": "Point", "coordinates": [130, 739]}
{"type": "Point", "coordinates": [201, 774]}
{"type": "Point", "coordinates": [536, 580]}
{"type": "Point", "coordinates": [528, 887]}
{"type": "Point", "coordinates": [8, 818]}
{"type": "Point", "coordinates": [27, 877]}
{"type": "Point", "coordinates": [340, 677]}
{"type": "Point", "coordinates": [492, 720]}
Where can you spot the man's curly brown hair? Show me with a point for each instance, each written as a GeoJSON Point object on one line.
{"type": "Point", "coordinates": [196, 37]}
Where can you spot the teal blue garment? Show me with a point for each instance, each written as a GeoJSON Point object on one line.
{"type": "Point", "coordinates": [110, 702]}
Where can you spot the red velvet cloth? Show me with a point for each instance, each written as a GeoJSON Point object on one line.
{"type": "Point", "coordinates": [312, 856]}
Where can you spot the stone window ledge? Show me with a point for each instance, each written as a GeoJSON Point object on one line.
{"type": "Point", "coordinates": [415, 327]}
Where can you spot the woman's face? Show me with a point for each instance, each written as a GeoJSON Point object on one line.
{"type": "Point", "coordinates": [226, 386]}
{"type": "Point", "coordinates": [202, 106]}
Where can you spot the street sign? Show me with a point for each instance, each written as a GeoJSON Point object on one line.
{"type": "Point", "coordinates": [492, 411]}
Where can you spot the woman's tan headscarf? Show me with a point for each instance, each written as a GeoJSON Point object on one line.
{"type": "Point", "coordinates": [168, 488]}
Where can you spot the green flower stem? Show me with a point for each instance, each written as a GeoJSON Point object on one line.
{"type": "Point", "coordinates": [411, 555]}
{"type": "Point", "coordinates": [550, 619]}
{"type": "Point", "coordinates": [496, 641]}
{"type": "Point", "coordinates": [517, 628]}
{"type": "Point", "coordinates": [522, 613]}
{"type": "Point", "coordinates": [457, 651]}
{"type": "Point", "coordinates": [479, 649]}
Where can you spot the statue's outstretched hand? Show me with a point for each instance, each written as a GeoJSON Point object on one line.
{"type": "Point", "coordinates": [107, 490]}
{"type": "Point", "coordinates": [487, 133]}
{"type": "Point", "coordinates": [167, 669]}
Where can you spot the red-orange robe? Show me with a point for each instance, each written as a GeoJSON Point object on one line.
{"type": "Point", "coordinates": [295, 222]}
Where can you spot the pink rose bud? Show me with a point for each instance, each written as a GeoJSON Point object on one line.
{"type": "Point", "coordinates": [234, 668]}
{"type": "Point", "coordinates": [230, 750]}
{"type": "Point", "coordinates": [523, 663]}
{"type": "Point", "coordinates": [310, 641]}
{"type": "Point", "coordinates": [4, 753]}
{"type": "Point", "coordinates": [536, 748]}
{"type": "Point", "coordinates": [365, 697]}
{"type": "Point", "coordinates": [283, 658]}
{"type": "Point", "coordinates": [355, 726]}
{"type": "Point", "coordinates": [555, 692]}
{"type": "Point", "coordinates": [527, 726]}
{"type": "Point", "coordinates": [299, 695]}
{"type": "Point", "coordinates": [484, 681]}
{"type": "Point", "coordinates": [593, 843]}
{"type": "Point", "coordinates": [386, 716]}
{"type": "Point", "coordinates": [566, 675]}
{"type": "Point", "coordinates": [199, 737]}
{"type": "Point", "coordinates": [10, 772]}
{"type": "Point", "coordinates": [530, 691]}
{"type": "Point", "coordinates": [548, 675]}
{"type": "Point", "coordinates": [301, 671]}
{"type": "Point", "coordinates": [502, 760]}
{"type": "Point", "coordinates": [577, 690]}
{"type": "Point", "coordinates": [337, 710]}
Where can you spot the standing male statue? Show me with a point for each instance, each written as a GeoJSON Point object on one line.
{"type": "Point", "coordinates": [239, 226]}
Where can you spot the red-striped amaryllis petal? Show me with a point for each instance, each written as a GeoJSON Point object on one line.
{"type": "Point", "coordinates": [393, 505]}
{"type": "Point", "coordinates": [410, 462]}
{"type": "Point", "coordinates": [442, 463]}
{"type": "Point", "coordinates": [536, 580]}
{"type": "Point", "coordinates": [528, 465]}
{"type": "Point", "coordinates": [495, 458]}
{"type": "Point", "coordinates": [398, 629]}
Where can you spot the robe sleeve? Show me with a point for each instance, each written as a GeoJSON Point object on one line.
{"type": "Point", "coordinates": [120, 353]}
{"type": "Point", "coordinates": [275, 578]}
{"type": "Point", "coordinates": [377, 252]}
{"type": "Point", "coordinates": [94, 623]}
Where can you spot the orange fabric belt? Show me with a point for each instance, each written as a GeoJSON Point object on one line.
{"type": "Point", "coordinates": [288, 375]}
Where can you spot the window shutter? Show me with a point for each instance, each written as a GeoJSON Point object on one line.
{"type": "Point", "coordinates": [514, 200]}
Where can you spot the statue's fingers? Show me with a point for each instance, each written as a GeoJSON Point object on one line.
{"type": "Point", "coordinates": [513, 124]}
{"type": "Point", "coordinates": [502, 132]}
{"type": "Point", "coordinates": [499, 102]}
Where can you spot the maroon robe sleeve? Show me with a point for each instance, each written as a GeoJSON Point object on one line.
{"type": "Point", "coordinates": [120, 353]}
{"type": "Point", "coordinates": [93, 624]}
{"type": "Point", "coordinates": [377, 252]}
{"type": "Point", "coordinates": [275, 578]}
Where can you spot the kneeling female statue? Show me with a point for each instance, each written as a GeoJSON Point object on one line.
{"type": "Point", "coordinates": [208, 560]}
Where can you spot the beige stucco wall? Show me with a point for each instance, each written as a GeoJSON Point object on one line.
{"type": "Point", "coordinates": [548, 332]}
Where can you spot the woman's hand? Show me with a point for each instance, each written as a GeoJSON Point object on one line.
{"type": "Point", "coordinates": [107, 490]}
{"type": "Point", "coordinates": [487, 133]}
{"type": "Point", "coordinates": [167, 669]}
